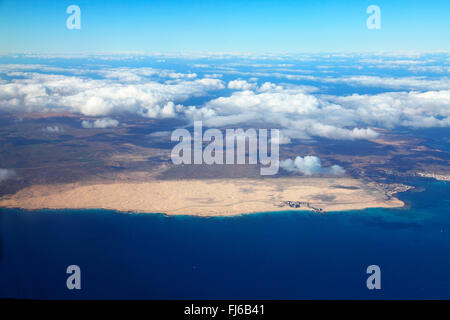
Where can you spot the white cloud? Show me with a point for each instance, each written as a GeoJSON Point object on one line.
{"type": "Point", "coordinates": [410, 83]}
{"type": "Point", "coordinates": [241, 85]}
{"type": "Point", "coordinates": [282, 139]}
{"type": "Point", "coordinates": [392, 83]}
{"type": "Point", "coordinates": [100, 123]}
{"type": "Point", "coordinates": [53, 129]}
{"type": "Point", "coordinates": [120, 91]}
{"type": "Point", "coordinates": [302, 114]}
{"type": "Point", "coordinates": [298, 110]}
{"type": "Point", "coordinates": [160, 134]}
{"type": "Point", "coordinates": [270, 97]}
{"type": "Point", "coordinates": [214, 75]}
{"type": "Point", "coordinates": [392, 109]}
{"type": "Point", "coordinates": [310, 165]}
{"type": "Point", "coordinates": [332, 132]}
{"type": "Point", "coordinates": [6, 174]}
{"type": "Point", "coordinates": [292, 108]}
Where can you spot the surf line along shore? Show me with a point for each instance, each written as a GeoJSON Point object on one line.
{"type": "Point", "coordinates": [214, 152]}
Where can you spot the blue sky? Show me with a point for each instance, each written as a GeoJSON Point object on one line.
{"type": "Point", "coordinates": [223, 26]}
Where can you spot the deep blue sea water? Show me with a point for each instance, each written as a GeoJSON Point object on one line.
{"type": "Point", "coordinates": [282, 255]}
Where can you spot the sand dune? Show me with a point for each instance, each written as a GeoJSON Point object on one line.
{"type": "Point", "coordinates": [220, 197]}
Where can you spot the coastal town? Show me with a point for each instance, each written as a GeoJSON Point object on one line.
{"type": "Point", "coordinates": [388, 189]}
{"type": "Point", "coordinates": [393, 188]}
{"type": "Point", "coordinates": [301, 204]}
{"type": "Point", "coordinates": [441, 177]}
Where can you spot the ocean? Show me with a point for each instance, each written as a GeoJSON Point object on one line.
{"type": "Point", "coordinates": [280, 255]}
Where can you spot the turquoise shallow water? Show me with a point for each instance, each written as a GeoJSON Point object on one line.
{"type": "Point", "coordinates": [280, 255]}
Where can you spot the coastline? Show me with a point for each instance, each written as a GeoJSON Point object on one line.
{"type": "Point", "coordinates": [114, 239]}
{"type": "Point", "coordinates": [208, 198]}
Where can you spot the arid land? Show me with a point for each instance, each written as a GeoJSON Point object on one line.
{"type": "Point", "coordinates": [212, 197]}
{"type": "Point", "coordinates": [128, 168]}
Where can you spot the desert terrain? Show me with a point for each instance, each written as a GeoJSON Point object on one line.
{"type": "Point", "coordinates": [212, 197]}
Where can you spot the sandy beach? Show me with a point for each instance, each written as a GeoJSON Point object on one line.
{"type": "Point", "coordinates": [208, 197]}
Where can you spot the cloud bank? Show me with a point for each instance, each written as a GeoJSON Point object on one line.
{"type": "Point", "coordinates": [300, 111]}
{"type": "Point", "coordinates": [37, 92]}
